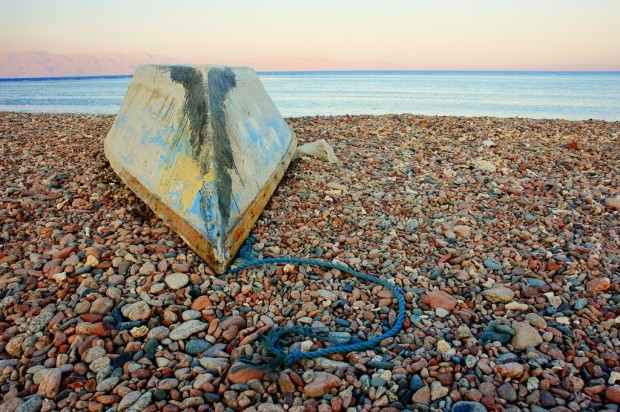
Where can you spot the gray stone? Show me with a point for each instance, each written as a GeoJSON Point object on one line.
{"type": "Point", "coordinates": [176, 280]}
{"type": "Point", "coordinates": [143, 401]}
{"type": "Point", "coordinates": [40, 322]}
{"type": "Point", "coordinates": [187, 329]}
{"type": "Point", "coordinates": [108, 384]}
{"type": "Point", "coordinates": [506, 391]}
{"type": "Point", "coordinates": [493, 265]}
{"type": "Point", "coordinates": [31, 405]}
{"type": "Point", "coordinates": [159, 332]}
{"type": "Point", "coordinates": [93, 353]}
{"type": "Point", "coordinates": [465, 406]}
{"type": "Point", "coordinates": [128, 400]}
{"type": "Point", "coordinates": [196, 346]}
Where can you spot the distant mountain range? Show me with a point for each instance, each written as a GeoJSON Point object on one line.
{"type": "Point", "coordinates": [42, 64]}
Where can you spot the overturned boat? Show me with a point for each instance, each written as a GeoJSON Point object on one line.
{"type": "Point", "coordinates": [204, 147]}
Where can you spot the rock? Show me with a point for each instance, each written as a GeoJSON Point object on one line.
{"type": "Point", "coordinates": [441, 312]}
{"type": "Point", "coordinates": [168, 384]}
{"type": "Point", "coordinates": [598, 285]}
{"type": "Point", "coordinates": [92, 261]}
{"type": "Point", "coordinates": [14, 345]}
{"type": "Point", "coordinates": [467, 406]}
{"type": "Point", "coordinates": [108, 384]}
{"type": "Point", "coordinates": [441, 299]}
{"type": "Point", "coordinates": [187, 329]}
{"type": "Point", "coordinates": [506, 391]}
{"type": "Point", "coordinates": [129, 399]}
{"type": "Point", "coordinates": [498, 294]}
{"type": "Point", "coordinates": [102, 306]}
{"type": "Point", "coordinates": [201, 303]}
{"type": "Point", "coordinates": [443, 346]}
{"type": "Point", "coordinates": [196, 346]}
{"type": "Point", "coordinates": [241, 373]}
{"type": "Point", "coordinates": [493, 265]}
{"type": "Point", "coordinates": [31, 405]}
{"type": "Point", "coordinates": [462, 230]}
{"type": "Point", "coordinates": [93, 353]}
{"type": "Point", "coordinates": [485, 166]}
{"type": "Point", "coordinates": [99, 364]}
{"type": "Point", "coordinates": [143, 401]}
{"type": "Point", "coordinates": [509, 370]}
{"type": "Point", "coordinates": [494, 337]}
{"type": "Point", "coordinates": [422, 395]}
{"type": "Point", "coordinates": [50, 384]}
{"type": "Point", "coordinates": [438, 391]}
{"type": "Point", "coordinates": [10, 405]}
{"type": "Point", "coordinates": [236, 321]}
{"type": "Point", "coordinates": [536, 320]}
{"type": "Point", "coordinates": [322, 383]}
{"type": "Point", "coordinates": [40, 322]}
{"type": "Point", "coordinates": [612, 393]}
{"type": "Point", "coordinates": [159, 332]}
{"type": "Point", "coordinates": [517, 306]}
{"type": "Point", "coordinates": [525, 336]}
{"type": "Point", "coordinates": [176, 281]}
{"type": "Point", "coordinates": [613, 203]}
{"type": "Point", "coordinates": [137, 311]}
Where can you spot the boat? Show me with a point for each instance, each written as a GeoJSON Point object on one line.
{"type": "Point", "coordinates": [204, 146]}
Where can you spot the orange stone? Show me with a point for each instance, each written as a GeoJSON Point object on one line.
{"type": "Point", "coordinates": [201, 303]}
{"type": "Point", "coordinates": [240, 373]}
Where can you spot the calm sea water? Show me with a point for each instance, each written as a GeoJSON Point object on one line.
{"type": "Point", "coordinates": [566, 95]}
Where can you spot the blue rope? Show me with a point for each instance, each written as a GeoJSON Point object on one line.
{"type": "Point", "coordinates": [273, 339]}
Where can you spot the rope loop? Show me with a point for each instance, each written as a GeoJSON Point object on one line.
{"type": "Point", "coordinates": [274, 338]}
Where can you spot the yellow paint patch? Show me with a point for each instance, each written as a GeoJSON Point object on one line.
{"type": "Point", "coordinates": [181, 182]}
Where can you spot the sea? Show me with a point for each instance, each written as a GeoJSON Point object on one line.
{"type": "Point", "coordinates": [525, 94]}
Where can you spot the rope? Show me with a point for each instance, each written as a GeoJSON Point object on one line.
{"type": "Point", "coordinates": [274, 339]}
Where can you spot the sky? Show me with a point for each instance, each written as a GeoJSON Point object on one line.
{"type": "Point", "coordinates": [397, 34]}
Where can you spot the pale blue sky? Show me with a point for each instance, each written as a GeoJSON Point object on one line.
{"type": "Point", "coordinates": [410, 34]}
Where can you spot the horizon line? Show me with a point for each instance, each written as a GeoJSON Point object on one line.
{"type": "Point", "coordinates": [301, 71]}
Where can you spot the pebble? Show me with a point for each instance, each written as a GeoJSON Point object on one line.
{"type": "Point", "coordinates": [143, 401]}
{"type": "Point", "coordinates": [85, 265]}
{"type": "Point", "coordinates": [510, 370]}
{"type": "Point", "coordinates": [422, 395]}
{"type": "Point", "coordinates": [196, 346]}
{"type": "Point", "coordinates": [517, 306]}
{"type": "Point", "coordinates": [525, 336]}
{"type": "Point", "coordinates": [441, 299]}
{"type": "Point", "coordinates": [507, 392]}
{"type": "Point", "coordinates": [467, 406]}
{"type": "Point", "coordinates": [499, 294]}
{"type": "Point", "coordinates": [321, 383]}
{"type": "Point", "coordinates": [438, 391]}
{"type": "Point", "coordinates": [33, 404]}
{"type": "Point", "coordinates": [187, 329]}
{"type": "Point", "coordinates": [176, 281]}
{"type": "Point", "coordinates": [137, 311]}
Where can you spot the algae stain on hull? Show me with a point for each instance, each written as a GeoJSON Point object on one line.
{"type": "Point", "coordinates": [207, 122]}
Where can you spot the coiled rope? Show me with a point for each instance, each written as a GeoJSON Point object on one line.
{"type": "Point", "coordinates": [273, 340]}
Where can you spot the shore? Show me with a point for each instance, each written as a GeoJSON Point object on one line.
{"type": "Point", "coordinates": [503, 234]}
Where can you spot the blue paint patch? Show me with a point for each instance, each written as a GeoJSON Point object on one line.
{"type": "Point", "coordinates": [270, 151]}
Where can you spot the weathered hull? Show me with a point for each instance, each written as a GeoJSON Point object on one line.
{"type": "Point", "coordinates": [204, 147]}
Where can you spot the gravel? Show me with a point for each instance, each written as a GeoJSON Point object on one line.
{"type": "Point", "coordinates": [507, 255]}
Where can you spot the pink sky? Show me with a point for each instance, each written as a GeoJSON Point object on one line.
{"type": "Point", "coordinates": [275, 34]}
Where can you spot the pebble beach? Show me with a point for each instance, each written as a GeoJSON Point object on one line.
{"type": "Point", "coordinates": [502, 234]}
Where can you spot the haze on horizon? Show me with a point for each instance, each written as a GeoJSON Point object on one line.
{"type": "Point", "coordinates": [360, 34]}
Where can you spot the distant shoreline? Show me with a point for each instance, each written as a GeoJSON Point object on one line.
{"type": "Point", "coordinates": [307, 72]}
